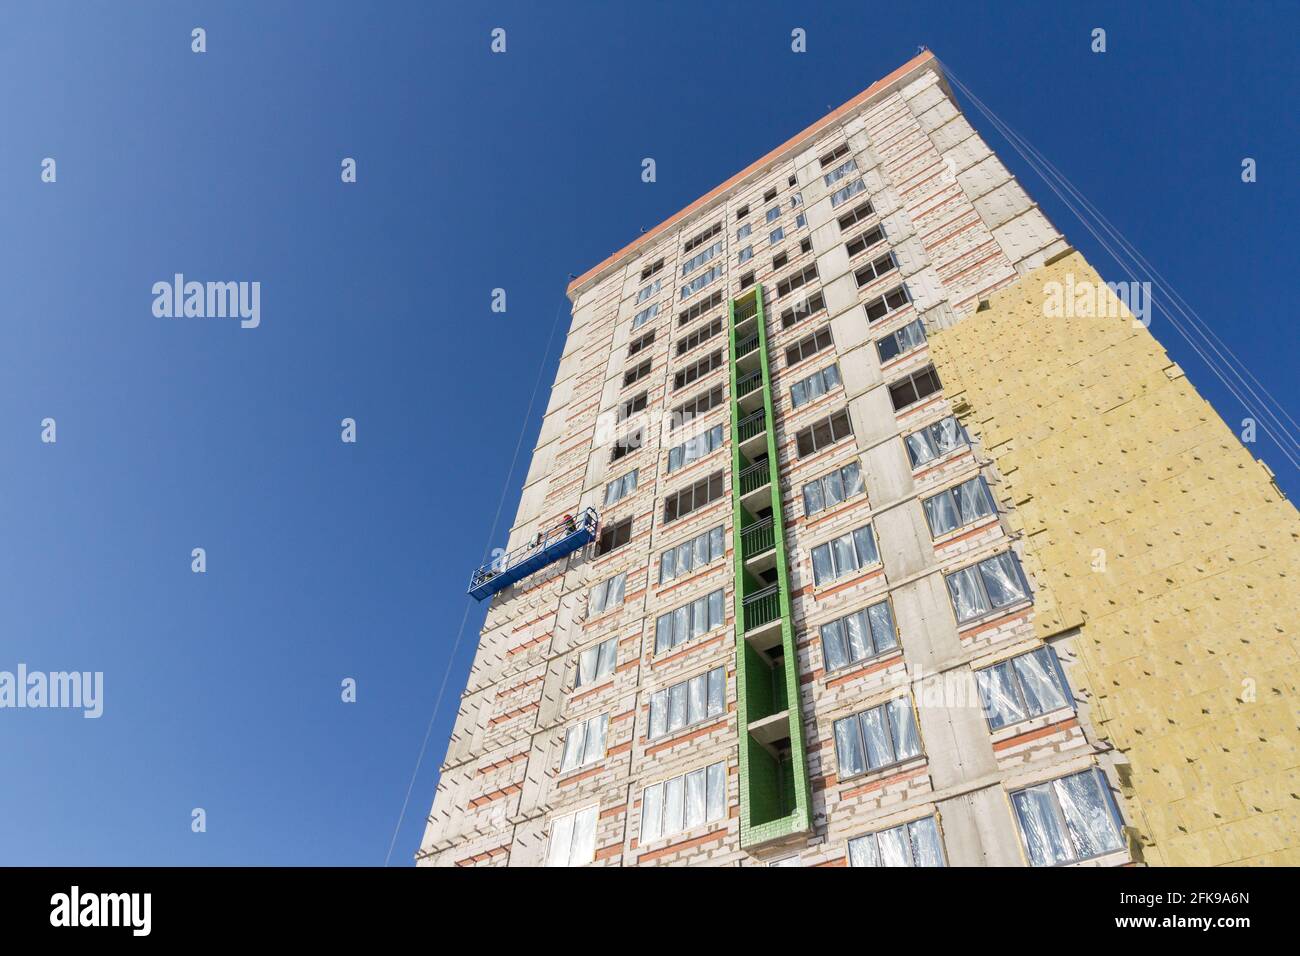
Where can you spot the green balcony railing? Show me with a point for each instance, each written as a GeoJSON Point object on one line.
{"type": "Point", "coordinates": [757, 538]}
{"type": "Point", "coordinates": [752, 425]}
{"type": "Point", "coordinates": [754, 477]}
{"type": "Point", "coordinates": [762, 607]}
{"type": "Point", "coordinates": [775, 789]}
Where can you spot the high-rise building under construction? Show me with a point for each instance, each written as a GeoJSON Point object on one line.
{"type": "Point", "coordinates": [844, 544]}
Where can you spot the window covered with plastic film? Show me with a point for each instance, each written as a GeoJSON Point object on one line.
{"type": "Point", "coordinates": [1026, 686]}
{"type": "Point", "coordinates": [683, 802]}
{"type": "Point", "coordinates": [935, 440]}
{"type": "Point", "coordinates": [876, 738]}
{"type": "Point", "coordinates": [1069, 819]}
{"type": "Point", "coordinates": [994, 583]}
{"type": "Point", "coordinates": [688, 702]}
{"type": "Point", "coordinates": [912, 844]}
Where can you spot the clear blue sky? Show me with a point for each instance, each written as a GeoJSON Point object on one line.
{"type": "Point", "coordinates": [327, 560]}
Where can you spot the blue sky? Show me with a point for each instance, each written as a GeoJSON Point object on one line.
{"type": "Point", "coordinates": [329, 560]}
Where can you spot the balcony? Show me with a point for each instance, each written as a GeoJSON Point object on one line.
{"type": "Point", "coordinates": [748, 383]}
{"type": "Point", "coordinates": [762, 607]}
{"type": "Point", "coordinates": [757, 538]}
{"type": "Point", "coordinates": [751, 426]}
{"type": "Point", "coordinates": [745, 346]}
{"type": "Point", "coordinates": [756, 476]}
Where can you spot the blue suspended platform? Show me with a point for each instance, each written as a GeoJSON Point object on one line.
{"type": "Point", "coordinates": [561, 541]}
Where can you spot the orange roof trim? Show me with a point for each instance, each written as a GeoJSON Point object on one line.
{"type": "Point", "coordinates": [912, 64]}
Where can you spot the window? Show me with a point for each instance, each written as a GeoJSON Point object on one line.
{"type": "Point", "coordinates": [687, 703]}
{"type": "Point", "coordinates": [637, 373]}
{"type": "Point", "coordinates": [791, 181]}
{"type": "Point", "coordinates": [742, 212]}
{"type": "Point", "coordinates": [808, 347]}
{"type": "Point", "coordinates": [874, 235]}
{"type": "Point", "coordinates": [829, 490]}
{"type": "Point", "coordinates": [814, 386]}
{"type": "Point", "coordinates": [648, 291]}
{"type": "Point", "coordinates": [776, 235]}
{"type": "Point", "coordinates": [700, 281]}
{"type": "Point", "coordinates": [693, 498]}
{"type": "Point", "coordinates": [699, 335]}
{"type": "Point", "coordinates": [693, 263]}
{"type": "Point", "coordinates": [836, 153]}
{"type": "Point", "coordinates": [699, 308]}
{"type": "Point", "coordinates": [876, 738]}
{"type": "Point", "coordinates": [637, 345]}
{"type": "Point", "coordinates": [769, 195]}
{"type": "Point", "coordinates": [909, 337]}
{"type": "Point", "coordinates": [805, 244]}
{"type": "Point", "coordinates": [796, 200]}
{"type": "Point", "coordinates": [994, 583]}
{"type": "Point", "coordinates": [891, 301]}
{"type": "Point", "coordinates": [745, 254]}
{"type": "Point", "coordinates": [856, 215]}
{"type": "Point", "coordinates": [914, 387]}
{"type": "Point", "coordinates": [690, 620]}
{"type": "Point", "coordinates": [696, 369]}
{"type": "Point", "coordinates": [795, 281]}
{"type": "Point", "coordinates": [700, 239]}
{"type": "Point", "coordinates": [772, 214]}
{"type": "Point", "coordinates": [844, 555]}
{"type": "Point", "coordinates": [960, 505]}
{"type": "Point", "coordinates": [614, 536]}
{"type": "Point", "coordinates": [651, 269]}
{"type": "Point", "coordinates": [845, 193]}
{"type": "Point", "coordinates": [1069, 819]}
{"type": "Point", "coordinates": [573, 839]}
{"type": "Point", "coordinates": [627, 444]}
{"type": "Point", "coordinates": [779, 260]}
{"type": "Point", "coordinates": [693, 449]}
{"type": "Point", "coordinates": [683, 802]}
{"type": "Point", "coordinates": [822, 434]}
{"type": "Point", "coordinates": [1023, 687]}
{"type": "Point", "coordinates": [596, 663]}
{"type": "Point", "coordinates": [636, 403]}
{"type": "Point", "coordinates": [621, 487]}
{"type": "Point", "coordinates": [800, 221]}
{"type": "Point", "coordinates": [645, 315]}
{"type": "Point", "coordinates": [692, 555]}
{"type": "Point", "coordinates": [747, 280]}
{"type": "Point", "coordinates": [874, 269]}
{"type": "Point", "coordinates": [744, 231]}
{"type": "Point", "coordinates": [584, 743]}
{"type": "Point", "coordinates": [926, 444]}
{"type": "Point", "coordinates": [859, 636]}
{"type": "Point", "coordinates": [696, 406]}
{"type": "Point", "coordinates": [912, 844]}
{"type": "Point", "coordinates": [606, 595]}
{"type": "Point", "coordinates": [839, 172]}
{"type": "Point", "coordinates": [802, 310]}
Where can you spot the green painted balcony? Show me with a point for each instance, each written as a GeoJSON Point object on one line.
{"type": "Point", "coordinates": [749, 383]}
{"type": "Point", "coordinates": [754, 477]}
{"type": "Point", "coordinates": [762, 607]}
{"type": "Point", "coordinates": [757, 538]}
{"type": "Point", "coordinates": [751, 426]}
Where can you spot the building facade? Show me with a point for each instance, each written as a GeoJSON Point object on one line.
{"type": "Point", "coordinates": [892, 568]}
